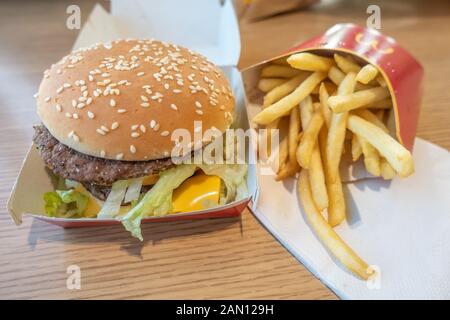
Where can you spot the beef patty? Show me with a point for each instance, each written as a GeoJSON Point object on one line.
{"type": "Point", "coordinates": [71, 164]}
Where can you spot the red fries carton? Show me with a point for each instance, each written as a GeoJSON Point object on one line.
{"type": "Point", "coordinates": [402, 72]}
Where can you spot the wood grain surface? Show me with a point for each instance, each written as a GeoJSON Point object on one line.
{"type": "Point", "coordinates": [217, 258]}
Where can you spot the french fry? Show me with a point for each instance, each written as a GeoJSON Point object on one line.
{"type": "Point", "coordinates": [281, 61]}
{"type": "Point", "coordinates": [284, 105]}
{"type": "Point", "coordinates": [336, 133]}
{"type": "Point", "coordinates": [283, 147]}
{"type": "Point", "coordinates": [356, 148]}
{"type": "Point", "coordinates": [387, 172]}
{"type": "Point", "coordinates": [278, 71]}
{"type": "Point", "coordinates": [288, 170]}
{"type": "Point", "coordinates": [381, 81]}
{"type": "Point", "coordinates": [294, 129]}
{"type": "Point", "coordinates": [284, 89]}
{"type": "Point", "coordinates": [323, 97]}
{"type": "Point", "coordinates": [309, 139]}
{"type": "Point", "coordinates": [267, 84]}
{"type": "Point", "coordinates": [336, 75]}
{"type": "Point", "coordinates": [310, 62]}
{"type": "Point", "coordinates": [380, 115]}
{"type": "Point", "coordinates": [397, 155]}
{"type": "Point", "coordinates": [346, 64]}
{"type": "Point", "coordinates": [341, 103]}
{"type": "Point", "coordinates": [371, 157]}
{"type": "Point", "coordinates": [336, 201]}
{"type": "Point", "coordinates": [367, 74]}
{"type": "Point", "coordinates": [372, 118]}
{"type": "Point", "coordinates": [315, 168]}
{"type": "Point", "coordinates": [325, 232]}
{"type": "Point", "coordinates": [381, 104]}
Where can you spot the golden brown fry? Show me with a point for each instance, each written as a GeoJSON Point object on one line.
{"type": "Point", "coordinates": [341, 103]}
{"type": "Point", "coordinates": [356, 148]}
{"type": "Point", "coordinates": [396, 154]}
{"type": "Point", "coordinates": [315, 167]}
{"type": "Point", "coordinates": [294, 129]}
{"type": "Point", "coordinates": [309, 139]}
{"type": "Point", "coordinates": [336, 75]}
{"type": "Point", "coordinates": [371, 157]}
{"type": "Point", "coordinates": [336, 133]}
{"type": "Point", "coordinates": [346, 64]}
{"type": "Point", "coordinates": [310, 62]}
{"type": "Point", "coordinates": [367, 74]}
{"type": "Point", "coordinates": [381, 81]}
{"type": "Point", "coordinates": [323, 97]}
{"type": "Point", "coordinates": [277, 71]}
{"type": "Point", "coordinates": [284, 105]}
{"type": "Point", "coordinates": [281, 61]}
{"type": "Point", "coordinates": [267, 84]}
{"type": "Point", "coordinates": [372, 118]}
{"type": "Point", "coordinates": [284, 89]}
{"type": "Point", "coordinates": [288, 170]}
{"type": "Point", "coordinates": [325, 232]}
{"type": "Point", "coordinates": [387, 172]}
{"type": "Point", "coordinates": [382, 104]}
{"type": "Point", "coordinates": [336, 201]}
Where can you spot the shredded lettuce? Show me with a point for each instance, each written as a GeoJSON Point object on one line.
{"type": "Point", "coordinates": [111, 207]}
{"type": "Point", "coordinates": [134, 189]}
{"type": "Point", "coordinates": [65, 203]}
{"type": "Point", "coordinates": [158, 200]}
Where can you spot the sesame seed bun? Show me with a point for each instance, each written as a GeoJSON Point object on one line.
{"type": "Point", "coordinates": [123, 100]}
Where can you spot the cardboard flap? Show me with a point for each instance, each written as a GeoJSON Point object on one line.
{"type": "Point", "coordinates": [205, 26]}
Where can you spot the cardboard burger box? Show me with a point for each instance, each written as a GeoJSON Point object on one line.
{"type": "Point", "coordinates": [216, 35]}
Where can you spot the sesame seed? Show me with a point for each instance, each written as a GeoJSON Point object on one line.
{"type": "Point", "coordinates": [68, 115]}
{"type": "Point", "coordinates": [152, 124]}
{"type": "Point", "coordinates": [176, 91]}
{"type": "Point", "coordinates": [134, 126]}
{"type": "Point", "coordinates": [199, 112]}
{"type": "Point", "coordinates": [81, 105]}
{"type": "Point", "coordinates": [75, 116]}
{"type": "Point", "coordinates": [96, 93]}
{"type": "Point", "coordinates": [222, 108]}
{"type": "Point", "coordinates": [166, 86]}
{"type": "Point", "coordinates": [114, 126]}
{"type": "Point", "coordinates": [100, 131]}
{"type": "Point", "coordinates": [165, 133]}
{"type": "Point", "coordinates": [90, 78]}
{"type": "Point", "coordinates": [58, 107]}
{"type": "Point", "coordinates": [89, 101]}
{"type": "Point", "coordinates": [140, 74]}
{"type": "Point", "coordinates": [82, 82]}
{"type": "Point", "coordinates": [142, 127]}
{"type": "Point", "coordinates": [145, 104]}
{"type": "Point", "coordinates": [70, 134]}
{"type": "Point", "coordinates": [174, 107]}
{"type": "Point", "coordinates": [102, 153]}
{"type": "Point", "coordinates": [60, 89]}
{"type": "Point", "coordinates": [90, 115]}
{"type": "Point", "coordinates": [105, 74]}
{"type": "Point", "coordinates": [144, 98]}
{"type": "Point", "coordinates": [83, 88]}
{"type": "Point", "coordinates": [58, 71]}
{"type": "Point", "coordinates": [47, 99]}
{"type": "Point", "coordinates": [156, 127]}
{"type": "Point", "coordinates": [119, 156]}
{"type": "Point", "coordinates": [135, 134]}
{"type": "Point", "coordinates": [198, 104]}
{"type": "Point", "coordinates": [132, 149]}
{"type": "Point", "coordinates": [112, 103]}
{"type": "Point", "coordinates": [121, 110]}
{"type": "Point", "coordinates": [103, 128]}
{"type": "Point", "coordinates": [75, 137]}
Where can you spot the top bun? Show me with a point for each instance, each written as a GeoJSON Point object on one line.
{"type": "Point", "coordinates": [123, 100]}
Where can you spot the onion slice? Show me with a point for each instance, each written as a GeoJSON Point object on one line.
{"type": "Point", "coordinates": [134, 189]}
{"type": "Point", "coordinates": [112, 204]}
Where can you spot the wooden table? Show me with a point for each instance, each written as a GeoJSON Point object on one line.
{"type": "Point", "coordinates": [222, 258]}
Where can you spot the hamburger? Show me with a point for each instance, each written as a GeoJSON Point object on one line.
{"type": "Point", "coordinates": [108, 114]}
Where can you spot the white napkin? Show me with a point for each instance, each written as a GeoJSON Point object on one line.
{"type": "Point", "coordinates": [402, 227]}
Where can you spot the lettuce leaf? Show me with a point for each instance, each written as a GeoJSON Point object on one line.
{"type": "Point", "coordinates": [65, 203]}
{"type": "Point", "coordinates": [158, 200]}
